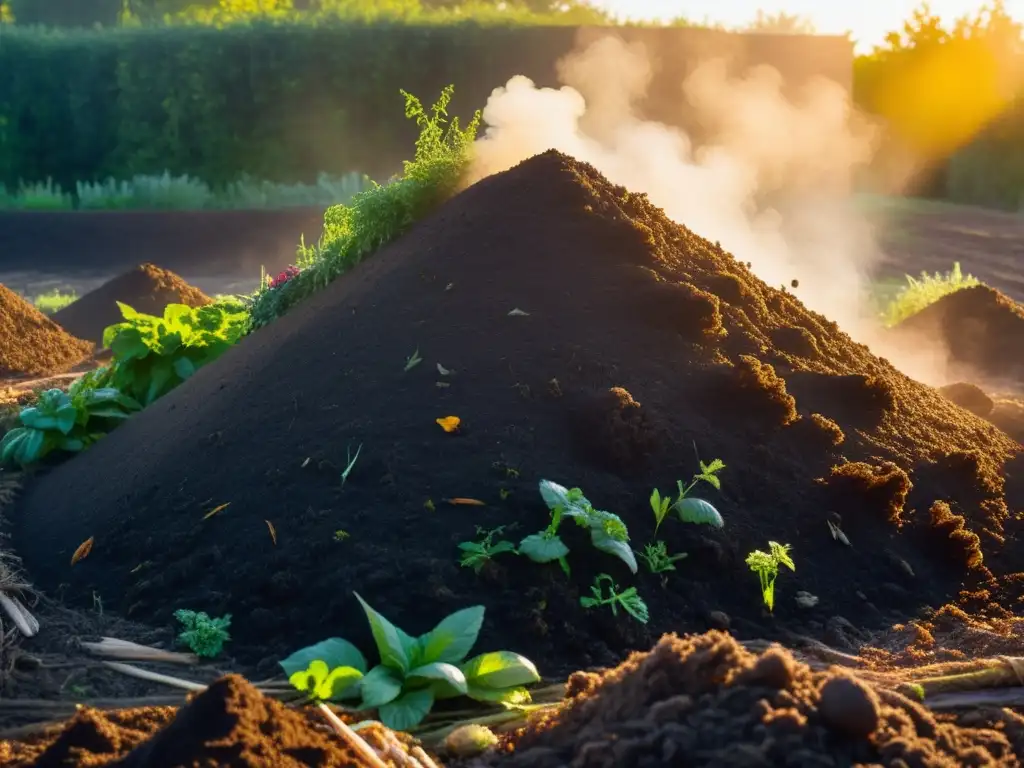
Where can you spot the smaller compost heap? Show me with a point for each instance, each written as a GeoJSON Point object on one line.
{"type": "Point", "coordinates": [31, 344]}
{"type": "Point", "coordinates": [147, 288]}
{"type": "Point", "coordinates": [582, 337]}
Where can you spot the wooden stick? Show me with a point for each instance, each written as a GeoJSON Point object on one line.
{"type": "Point", "coordinates": [26, 623]}
{"type": "Point", "coordinates": [420, 754]}
{"type": "Point", "coordinates": [113, 648]}
{"type": "Point", "coordinates": [352, 738]}
{"type": "Point", "coordinates": [155, 677]}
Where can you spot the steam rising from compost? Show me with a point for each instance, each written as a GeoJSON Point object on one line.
{"type": "Point", "coordinates": [760, 145]}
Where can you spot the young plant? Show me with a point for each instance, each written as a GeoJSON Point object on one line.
{"type": "Point", "coordinates": [67, 421]}
{"type": "Point", "coordinates": [607, 531]}
{"type": "Point", "coordinates": [629, 600]}
{"type": "Point", "coordinates": [766, 566]}
{"type": "Point", "coordinates": [476, 554]}
{"type": "Point", "coordinates": [203, 635]}
{"type": "Point", "coordinates": [694, 510]}
{"type": "Point", "coordinates": [657, 559]}
{"type": "Point", "coordinates": [153, 355]}
{"type": "Point", "coordinates": [351, 463]}
{"type": "Point", "coordinates": [413, 673]}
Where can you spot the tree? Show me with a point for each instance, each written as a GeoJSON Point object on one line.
{"type": "Point", "coordinates": [781, 23]}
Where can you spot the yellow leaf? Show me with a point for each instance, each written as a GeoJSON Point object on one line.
{"type": "Point", "coordinates": [215, 510]}
{"type": "Point", "coordinates": [83, 550]}
{"type": "Point", "coordinates": [450, 423]}
{"type": "Point", "coordinates": [273, 532]}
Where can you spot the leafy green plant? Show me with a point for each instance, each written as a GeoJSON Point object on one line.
{"type": "Point", "coordinates": [699, 511]}
{"type": "Point", "coordinates": [657, 559]}
{"type": "Point", "coordinates": [629, 600]}
{"type": "Point", "coordinates": [413, 673]}
{"type": "Point", "coordinates": [67, 421]}
{"type": "Point", "coordinates": [766, 566]}
{"type": "Point", "coordinates": [920, 292]}
{"type": "Point", "coordinates": [204, 636]}
{"type": "Point", "coordinates": [153, 355]}
{"type": "Point", "coordinates": [476, 554]}
{"type": "Point", "coordinates": [49, 303]}
{"type": "Point", "coordinates": [607, 531]}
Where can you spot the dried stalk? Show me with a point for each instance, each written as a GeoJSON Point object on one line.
{"type": "Point", "coordinates": [352, 738]}
{"type": "Point", "coordinates": [26, 623]}
{"type": "Point", "coordinates": [155, 677]}
{"type": "Point", "coordinates": [112, 648]}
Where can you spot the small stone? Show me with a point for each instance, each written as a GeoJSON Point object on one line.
{"type": "Point", "coordinates": [849, 706]}
{"type": "Point", "coordinates": [719, 620]}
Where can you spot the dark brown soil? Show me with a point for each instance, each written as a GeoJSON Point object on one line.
{"type": "Point", "coordinates": [228, 724]}
{"type": "Point", "coordinates": [641, 341]}
{"type": "Point", "coordinates": [31, 344]}
{"type": "Point", "coordinates": [705, 700]}
{"type": "Point", "coordinates": [982, 329]}
{"type": "Point", "coordinates": [147, 289]}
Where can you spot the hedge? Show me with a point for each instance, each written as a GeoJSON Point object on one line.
{"type": "Point", "coordinates": [286, 102]}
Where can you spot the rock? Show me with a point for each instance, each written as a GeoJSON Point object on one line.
{"type": "Point", "coordinates": [719, 620]}
{"type": "Point", "coordinates": [849, 707]}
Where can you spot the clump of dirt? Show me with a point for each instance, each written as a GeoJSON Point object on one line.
{"type": "Point", "coordinates": [229, 723]}
{"type": "Point", "coordinates": [532, 300]}
{"type": "Point", "coordinates": [705, 700]}
{"type": "Point", "coordinates": [969, 396]}
{"type": "Point", "coordinates": [147, 288]}
{"type": "Point", "coordinates": [982, 329]}
{"type": "Point", "coordinates": [31, 344]}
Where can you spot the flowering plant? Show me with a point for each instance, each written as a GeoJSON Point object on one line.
{"type": "Point", "coordinates": [284, 277]}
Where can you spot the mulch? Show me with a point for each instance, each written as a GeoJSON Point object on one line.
{"type": "Point", "coordinates": [31, 344]}
{"type": "Point", "coordinates": [147, 288]}
{"type": "Point", "coordinates": [636, 342]}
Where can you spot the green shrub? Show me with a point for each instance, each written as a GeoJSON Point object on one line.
{"type": "Point", "coordinates": [49, 303]}
{"type": "Point", "coordinates": [920, 292]}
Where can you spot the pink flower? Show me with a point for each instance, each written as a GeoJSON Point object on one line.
{"type": "Point", "coordinates": [284, 277]}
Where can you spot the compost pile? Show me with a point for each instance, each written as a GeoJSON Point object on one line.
{"type": "Point", "coordinates": [582, 337]}
{"type": "Point", "coordinates": [230, 723]}
{"type": "Point", "coordinates": [147, 288]}
{"type": "Point", "coordinates": [705, 700]}
{"type": "Point", "coordinates": [31, 344]}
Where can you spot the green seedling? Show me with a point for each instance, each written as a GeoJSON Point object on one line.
{"type": "Point", "coordinates": [766, 566]}
{"type": "Point", "coordinates": [629, 600]}
{"type": "Point", "coordinates": [351, 463]}
{"type": "Point", "coordinates": [341, 534]}
{"type": "Point", "coordinates": [657, 559]}
{"type": "Point", "coordinates": [660, 506]}
{"type": "Point", "coordinates": [203, 635]}
{"type": "Point", "coordinates": [413, 672]}
{"type": "Point", "coordinates": [476, 554]}
{"type": "Point", "coordinates": [412, 361]}
{"type": "Point", "coordinates": [607, 531]}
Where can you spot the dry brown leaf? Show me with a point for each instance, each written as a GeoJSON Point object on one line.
{"type": "Point", "coordinates": [273, 531]}
{"type": "Point", "coordinates": [215, 510]}
{"type": "Point", "coordinates": [83, 550]}
{"type": "Point", "coordinates": [450, 423]}
{"type": "Point", "coordinates": [460, 500]}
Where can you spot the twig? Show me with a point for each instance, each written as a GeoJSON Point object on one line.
{"type": "Point", "coordinates": [352, 738]}
{"type": "Point", "coordinates": [26, 623]}
{"type": "Point", "coordinates": [113, 648]}
{"type": "Point", "coordinates": [155, 677]}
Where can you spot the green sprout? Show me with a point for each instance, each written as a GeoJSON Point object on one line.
{"type": "Point", "coordinates": [629, 600]}
{"type": "Point", "coordinates": [476, 554]}
{"type": "Point", "coordinates": [203, 635]}
{"type": "Point", "coordinates": [766, 566]}
{"type": "Point", "coordinates": [412, 361]}
{"type": "Point", "coordinates": [657, 559]}
{"type": "Point", "coordinates": [351, 463]}
{"type": "Point", "coordinates": [690, 510]}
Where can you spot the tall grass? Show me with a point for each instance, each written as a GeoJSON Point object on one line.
{"type": "Point", "coordinates": [920, 292]}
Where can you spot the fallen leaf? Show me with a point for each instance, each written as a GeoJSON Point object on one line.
{"type": "Point", "coordinates": [517, 312]}
{"type": "Point", "coordinates": [466, 502]}
{"type": "Point", "coordinates": [83, 550]}
{"type": "Point", "coordinates": [450, 423]}
{"type": "Point", "coordinates": [442, 370]}
{"type": "Point", "coordinates": [306, 463]}
{"type": "Point", "coordinates": [216, 509]}
{"type": "Point", "coordinates": [273, 533]}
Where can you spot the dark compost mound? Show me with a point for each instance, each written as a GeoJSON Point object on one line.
{"type": "Point", "coordinates": [230, 723]}
{"type": "Point", "coordinates": [31, 344]}
{"type": "Point", "coordinates": [635, 340]}
{"type": "Point", "coordinates": [705, 700]}
{"type": "Point", "coordinates": [982, 329]}
{"type": "Point", "coordinates": [147, 289]}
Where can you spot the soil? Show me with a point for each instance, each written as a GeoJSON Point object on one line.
{"type": "Point", "coordinates": [705, 700]}
{"type": "Point", "coordinates": [640, 342]}
{"type": "Point", "coordinates": [228, 724]}
{"type": "Point", "coordinates": [147, 289]}
{"type": "Point", "coordinates": [982, 331]}
{"type": "Point", "coordinates": [31, 344]}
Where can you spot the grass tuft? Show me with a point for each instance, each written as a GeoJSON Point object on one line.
{"type": "Point", "coordinates": [54, 301]}
{"type": "Point", "coordinates": [919, 293]}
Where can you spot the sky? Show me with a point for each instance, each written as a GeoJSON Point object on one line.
{"type": "Point", "coordinates": [868, 20]}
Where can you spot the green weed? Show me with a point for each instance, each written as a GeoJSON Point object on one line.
{"type": "Point", "coordinates": [920, 292]}
{"type": "Point", "coordinates": [54, 301]}
{"type": "Point", "coordinates": [766, 566]}
{"type": "Point", "coordinates": [629, 600]}
{"type": "Point", "coordinates": [476, 554]}
{"type": "Point", "coordinates": [204, 636]}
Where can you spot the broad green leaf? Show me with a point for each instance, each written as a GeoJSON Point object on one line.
{"type": "Point", "coordinates": [500, 669]}
{"type": "Point", "coordinates": [391, 645]}
{"type": "Point", "coordinates": [309, 679]}
{"type": "Point", "coordinates": [619, 549]}
{"type": "Point", "coordinates": [127, 344]}
{"type": "Point", "coordinates": [543, 549]}
{"type": "Point", "coordinates": [511, 697]}
{"type": "Point", "coordinates": [453, 638]}
{"type": "Point", "coordinates": [334, 652]}
{"type": "Point", "coordinates": [184, 367]}
{"type": "Point", "coordinates": [698, 511]}
{"type": "Point", "coordinates": [407, 711]}
{"type": "Point", "coordinates": [554, 495]}
{"type": "Point", "coordinates": [71, 444]}
{"type": "Point", "coordinates": [448, 674]}
{"type": "Point", "coordinates": [177, 315]}
{"type": "Point", "coordinates": [379, 686]}
{"type": "Point", "coordinates": [161, 379]}
{"type": "Point", "coordinates": [61, 419]}
{"type": "Point", "coordinates": [127, 312]}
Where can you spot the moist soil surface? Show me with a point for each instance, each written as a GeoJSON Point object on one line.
{"type": "Point", "coordinates": [582, 337]}
{"type": "Point", "coordinates": [147, 289]}
{"type": "Point", "coordinates": [31, 344]}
